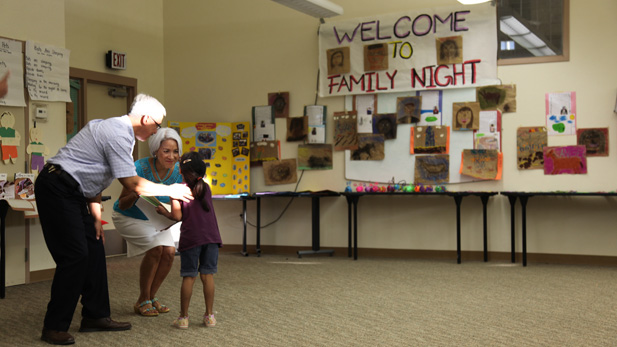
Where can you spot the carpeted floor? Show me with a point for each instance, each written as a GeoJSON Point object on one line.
{"type": "Point", "coordinates": [279, 300]}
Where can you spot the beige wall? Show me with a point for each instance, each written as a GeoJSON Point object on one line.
{"type": "Point", "coordinates": [213, 60]}
{"type": "Point", "coordinates": [222, 58]}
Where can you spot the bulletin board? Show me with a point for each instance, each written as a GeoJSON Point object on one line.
{"type": "Point", "coordinates": [398, 162]}
{"type": "Point", "coordinates": [225, 147]}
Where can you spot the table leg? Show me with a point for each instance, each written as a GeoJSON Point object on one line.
{"type": "Point", "coordinates": [356, 199]}
{"type": "Point", "coordinates": [315, 232]}
{"type": "Point", "coordinates": [244, 252]}
{"type": "Point", "coordinates": [524, 206]}
{"type": "Point", "coordinates": [258, 241]}
{"type": "Point", "coordinates": [458, 199]}
{"type": "Point", "coordinates": [512, 200]}
{"type": "Point", "coordinates": [349, 203]}
{"type": "Point", "coordinates": [484, 199]}
{"type": "Point", "coordinates": [4, 208]}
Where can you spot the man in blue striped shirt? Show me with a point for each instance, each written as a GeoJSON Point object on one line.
{"type": "Point", "coordinates": [68, 195]}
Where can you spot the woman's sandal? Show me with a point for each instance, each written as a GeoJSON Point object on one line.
{"type": "Point", "coordinates": [141, 309]}
{"type": "Point", "coordinates": [160, 307]}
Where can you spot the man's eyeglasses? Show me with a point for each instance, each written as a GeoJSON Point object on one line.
{"type": "Point", "coordinates": [158, 125]}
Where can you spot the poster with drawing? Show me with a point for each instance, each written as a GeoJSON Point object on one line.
{"type": "Point", "coordinates": [561, 113]}
{"type": "Point", "coordinates": [370, 147]}
{"type": "Point", "coordinates": [430, 113]}
{"type": "Point", "coordinates": [280, 172]}
{"type": "Point", "coordinates": [465, 116]}
{"type": "Point", "coordinates": [432, 169]}
{"type": "Point", "coordinates": [488, 135]}
{"type": "Point", "coordinates": [385, 124]}
{"type": "Point", "coordinates": [263, 123]}
{"type": "Point", "coordinates": [530, 142]}
{"type": "Point", "coordinates": [280, 104]}
{"type": "Point", "coordinates": [498, 97]}
{"type": "Point", "coordinates": [595, 141]}
{"type": "Point", "coordinates": [316, 115]}
{"type": "Point", "coordinates": [365, 106]}
{"type": "Point", "coordinates": [481, 163]}
{"type": "Point", "coordinates": [225, 147]}
{"type": "Point", "coordinates": [315, 157]}
{"type": "Point", "coordinates": [565, 160]}
{"type": "Point", "coordinates": [345, 130]}
{"type": "Point", "coordinates": [431, 139]}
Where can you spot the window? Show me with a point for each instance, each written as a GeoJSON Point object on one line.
{"type": "Point", "coordinates": [532, 31]}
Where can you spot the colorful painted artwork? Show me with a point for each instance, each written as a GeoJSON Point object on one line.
{"type": "Point", "coordinates": [385, 124]}
{"type": "Point", "coordinates": [481, 163]}
{"type": "Point", "coordinates": [449, 50]}
{"type": "Point", "coordinates": [280, 172]}
{"type": "Point", "coordinates": [408, 109]}
{"type": "Point", "coordinates": [488, 135]}
{"type": "Point", "coordinates": [315, 157]}
{"type": "Point", "coordinates": [432, 169]}
{"type": "Point", "coordinates": [225, 147]}
{"type": "Point", "coordinates": [530, 143]}
{"type": "Point", "coordinates": [561, 113]}
{"type": "Point", "coordinates": [465, 116]}
{"type": "Point", "coordinates": [370, 147]}
{"type": "Point", "coordinates": [264, 151]}
{"type": "Point", "coordinates": [595, 141]}
{"type": "Point", "coordinates": [345, 130]}
{"type": "Point", "coordinates": [499, 97]}
{"type": "Point", "coordinates": [280, 104]}
{"type": "Point", "coordinates": [431, 139]}
{"type": "Point", "coordinates": [565, 160]}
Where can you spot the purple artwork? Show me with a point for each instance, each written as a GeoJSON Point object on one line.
{"type": "Point", "coordinates": [565, 160]}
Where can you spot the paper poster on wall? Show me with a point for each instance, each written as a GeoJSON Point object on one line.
{"type": "Point", "coordinates": [297, 128]}
{"type": "Point", "coordinates": [408, 109]}
{"type": "Point", "coordinates": [11, 60]}
{"type": "Point", "coordinates": [370, 147]}
{"type": "Point", "coordinates": [431, 107]}
{"type": "Point", "coordinates": [264, 151]}
{"type": "Point", "coordinates": [47, 72]}
{"type": "Point", "coordinates": [7, 188]}
{"type": "Point", "coordinates": [9, 137]}
{"type": "Point", "coordinates": [431, 139]}
{"type": "Point", "coordinates": [365, 106]}
{"type": "Point", "coordinates": [225, 148]}
{"type": "Point", "coordinates": [595, 141]}
{"type": "Point", "coordinates": [263, 123]}
{"type": "Point", "coordinates": [565, 160]}
{"type": "Point", "coordinates": [315, 157]}
{"type": "Point", "coordinates": [385, 124]}
{"type": "Point", "coordinates": [530, 142]}
{"type": "Point", "coordinates": [316, 115]}
{"type": "Point", "coordinates": [499, 97]}
{"type": "Point", "coordinates": [280, 104]}
{"type": "Point", "coordinates": [484, 164]}
{"type": "Point", "coordinates": [445, 47]}
{"type": "Point", "coordinates": [432, 169]}
{"type": "Point", "coordinates": [466, 116]}
{"type": "Point", "coordinates": [280, 172]}
{"type": "Point", "coordinates": [561, 113]}
{"type": "Point", "coordinates": [37, 150]}
{"type": "Point", "coordinates": [488, 135]}
{"type": "Point", "coordinates": [345, 130]}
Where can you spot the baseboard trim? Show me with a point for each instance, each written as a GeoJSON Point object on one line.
{"type": "Point", "coordinates": [501, 257]}
{"type": "Point", "coordinates": [42, 275]}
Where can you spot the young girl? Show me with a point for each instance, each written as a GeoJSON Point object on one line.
{"type": "Point", "coordinates": [199, 238]}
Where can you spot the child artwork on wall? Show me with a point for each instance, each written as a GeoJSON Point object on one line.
{"type": "Point", "coordinates": [338, 60]}
{"type": "Point", "coordinates": [465, 116]}
{"type": "Point", "coordinates": [408, 109]}
{"type": "Point", "coordinates": [316, 115]}
{"type": "Point", "coordinates": [385, 124]}
{"type": "Point", "coordinates": [481, 163]}
{"type": "Point", "coordinates": [449, 50]}
{"type": "Point", "coordinates": [595, 141]}
{"type": "Point", "coordinates": [315, 157]}
{"type": "Point", "coordinates": [430, 113]}
{"type": "Point", "coordinates": [280, 104]}
{"type": "Point", "coordinates": [9, 136]}
{"type": "Point", "coordinates": [297, 128]}
{"type": "Point", "coordinates": [376, 57]}
{"type": "Point", "coordinates": [370, 147]}
{"type": "Point", "coordinates": [37, 150]}
{"type": "Point", "coordinates": [431, 139]}
{"type": "Point", "coordinates": [24, 186]}
{"type": "Point", "coordinates": [365, 106]}
{"type": "Point", "coordinates": [7, 188]}
{"type": "Point", "coordinates": [561, 113]}
{"type": "Point", "coordinates": [263, 123]}
{"type": "Point", "coordinates": [530, 142]}
{"type": "Point", "coordinates": [263, 151]}
{"type": "Point", "coordinates": [345, 130]}
{"type": "Point", "coordinates": [565, 160]}
{"type": "Point", "coordinates": [280, 172]}
{"type": "Point", "coordinates": [500, 97]}
{"type": "Point", "coordinates": [432, 169]}
{"type": "Point", "coordinates": [488, 135]}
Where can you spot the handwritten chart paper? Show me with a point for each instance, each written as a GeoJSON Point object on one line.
{"type": "Point", "coordinates": [11, 59]}
{"type": "Point", "coordinates": [47, 72]}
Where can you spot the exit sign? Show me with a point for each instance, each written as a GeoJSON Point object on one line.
{"type": "Point", "coordinates": [115, 60]}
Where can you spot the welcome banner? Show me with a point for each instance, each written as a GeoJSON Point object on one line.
{"type": "Point", "coordinates": [449, 47]}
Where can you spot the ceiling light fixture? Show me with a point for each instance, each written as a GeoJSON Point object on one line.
{"type": "Point", "coordinates": [514, 28]}
{"type": "Point", "coordinates": [315, 8]}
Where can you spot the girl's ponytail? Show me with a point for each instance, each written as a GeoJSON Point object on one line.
{"type": "Point", "coordinates": [193, 170]}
